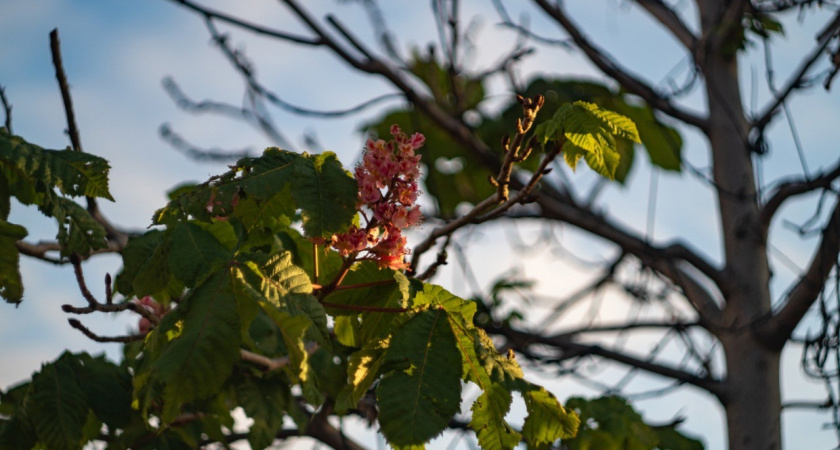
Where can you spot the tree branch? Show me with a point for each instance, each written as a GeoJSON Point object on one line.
{"type": "Point", "coordinates": [669, 18]}
{"type": "Point", "coordinates": [270, 364]}
{"type": "Point", "coordinates": [806, 291]}
{"type": "Point", "coordinates": [663, 259]}
{"type": "Point", "coordinates": [797, 79]}
{"type": "Point", "coordinates": [794, 187]}
{"type": "Point", "coordinates": [610, 68]}
{"type": "Point", "coordinates": [569, 334]}
{"type": "Point", "coordinates": [7, 108]}
{"type": "Point", "coordinates": [549, 199]}
{"type": "Point", "coordinates": [522, 340]}
{"type": "Point", "coordinates": [212, 14]}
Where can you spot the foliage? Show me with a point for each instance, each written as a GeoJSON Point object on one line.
{"type": "Point", "coordinates": [610, 423]}
{"type": "Point", "coordinates": [229, 279]}
{"type": "Point", "coordinates": [46, 179]}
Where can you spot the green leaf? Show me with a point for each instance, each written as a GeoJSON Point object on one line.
{"type": "Point", "coordinates": [78, 231]}
{"type": "Point", "coordinates": [663, 143]}
{"type": "Point", "coordinates": [73, 173]}
{"type": "Point", "coordinates": [547, 420]}
{"type": "Point", "coordinates": [422, 392]}
{"type": "Point", "coordinates": [348, 330]}
{"type": "Point", "coordinates": [382, 289]}
{"type": "Point", "coordinates": [671, 439]}
{"type": "Point", "coordinates": [274, 213]}
{"type": "Point", "coordinates": [194, 253]}
{"type": "Point", "coordinates": [154, 274]}
{"type": "Point", "coordinates": [610, 422]}
{"type": "Point", "coordinates": [108, 390]}
{"type": "Point", "coordinates": [58, 406]}
{"type": "Point", "coordinates": [488, 419]}
{"type": "Point", "coordinates": [196, 363]}
{"type": "Point", "coordinates": [288, 287]}
{"type": "Point", "coordinates": [617, 124]}
{"type": "Point", "coordinates": [326, 193]}
{"type": "Point", "coordinates": [263, 401]}
{"type": "Point", "coordinates": [457, 308]}
{"type": "Point", "coordinates": [137, 253]}
{"type": "Point", "coordinates": [362, 370]}
{"type": "Point", "coordinates": [11, 285]}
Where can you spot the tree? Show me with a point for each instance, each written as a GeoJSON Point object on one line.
{"type": "Point", "coordinates": [730, 299]}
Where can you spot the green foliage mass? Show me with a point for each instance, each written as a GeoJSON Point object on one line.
{"type": "Point", "coordinates": [610, 423]}
{"type": "Point", "coordinates": [239, 264]}
{"type": "Point", "coordinates": [452, 176]}
{"type": "Point", "coordinates": [47, 179]}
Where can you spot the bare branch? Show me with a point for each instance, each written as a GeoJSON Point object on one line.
{"type": "Point", "coordinates": [797, 79]}
{"type": "Point", "coordinates": [806, 291]}
{"type": "Point", "coordinates": [95, 337]}
{"type": "Point", "coordinates": [7, 108]}
{"type": "Point", "coordinates": [569, 334]}
{"type": "Point", "coordinates": [523, 340]}
{"type": "Point", "coordinates": [669, 18]}
{"type": "Point", "coordinates": [794, 187]}
{"type": "Point", "coordinates": [72, 130]}
{"type": "Point", "coordinates": [270, 364]}
{"type": "Point", "coordinates": [41, 249]}
{"type": "Point", "coordinates": [612, 69]}
{"type": "Point", "coordinates": [200, 154]}
{"type": "Point", "coordinates": [212, 14]}
{"type": "Point", "coordinates": [663, 259]}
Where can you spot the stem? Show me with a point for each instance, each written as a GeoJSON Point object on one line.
{"type": "Point", "coordinates": [315, 263]}
{"type": "Point", "coordinates": [363, 308]}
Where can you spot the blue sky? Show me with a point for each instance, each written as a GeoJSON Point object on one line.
{"type": "Point", "coordinates": [116, 53]}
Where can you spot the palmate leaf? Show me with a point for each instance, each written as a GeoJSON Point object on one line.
{"type": "Point", "coordinates": [422, 390]}
{"type": "Point", "coordinates": [57, 405]}
{"type": "Point", "coordinates": [11, 285]}
{"type": "Point", "coordinates": [73, 173]}
{"type": "Point", "coordinates": [195, 364]}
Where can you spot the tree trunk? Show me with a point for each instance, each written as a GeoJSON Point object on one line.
{"type": "Point", "coordinates": [752, 397]}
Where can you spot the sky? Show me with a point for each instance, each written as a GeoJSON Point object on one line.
{"type": "Point", "coordinates": [116, 55]}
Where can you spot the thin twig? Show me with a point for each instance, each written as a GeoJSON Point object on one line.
{"type": "Point", "coordinates": [72, 130]}
{"type": "Point", "coordinates": [7, 107]}
{"type": "Point", "coordinates": [95, 337]}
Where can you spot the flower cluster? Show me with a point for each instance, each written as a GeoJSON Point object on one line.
{"type": "Point", "coordinates": [150, 305]}
{"type": "Point", "coordinates": [388, 188]}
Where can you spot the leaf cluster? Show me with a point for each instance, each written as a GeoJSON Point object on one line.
{"type": "Point", "coordinates": [47, 179]}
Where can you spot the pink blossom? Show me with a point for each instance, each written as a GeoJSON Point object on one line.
{"type": "Point", "coordinates": [388, 189]}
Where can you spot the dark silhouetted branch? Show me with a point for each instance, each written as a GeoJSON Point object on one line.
{"type": "Point", "coordinates": [523, 340]}
{"type": "Point", "coordinates": [7, 108]}
{"type": "Point", "coordinates": [794, 187]}
{"type": "Point", "coordinates": [806, 291]}
{"type": "Point", "coordinates": [610, 68]}
{"type": "Point", "coordinates": [797, 79]}
{"type": "Point", "coordinates": [95, 337]}
{"type": "Point", "coordinates": [669, 18]}
{"type": "Point", "coordinates": [72, 130]}
{"type": "Point", "coordinates": [258, 29]}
